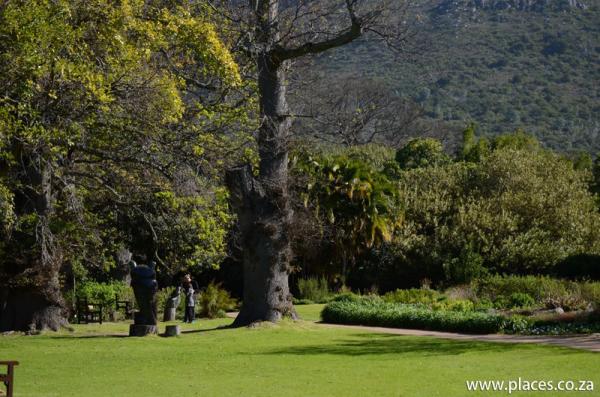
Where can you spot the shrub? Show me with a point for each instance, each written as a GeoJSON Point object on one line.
{"type": "Point", "coordinates": [520, 299]}
{"type": "Point", "coordinates": [591, 293]}
{"type": "Point", "coordinates": [215, 301]}
{"type": "Point", "coordinates": [313, 289]}
{"type": "Point", "coordinates": [425, 296]}
{"type": "Point", "coordinates": [510, 291]}
{"type": "Point", "coordinates": [466, 267]}
{"type": "Point", "coordinates": [497, 287]}
{"type": "Point", "coordinates": [346, 297]}
{"type": "Point", "coordinates": [104, 294]}
{"type": "Point", "coordinates": [563, 329]}
{"type": "Point", "coordinates": [459, 305]}
{"type": "Point", "coordinates": [461, 292]}
{"type": "Point", "coordinates": [384, 314]}
{"type": "Point", "coordinates": [517, 325]}
{"type": "Point", "coordinates": [568, 302]}
{"type": "Point", "coordinates": [302, 301]}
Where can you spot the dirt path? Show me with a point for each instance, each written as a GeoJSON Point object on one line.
{"type": "Point", "coordinates": [584, 342]}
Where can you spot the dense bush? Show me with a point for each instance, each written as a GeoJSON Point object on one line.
{"type": "Point", "coordinates": [513, 208]}
{"type": "Point", "coordinates": [313, 289]}
{"type": "Point", "coordinates": [375, 312]}
{"type": "Point", "coordinates": [384, 314]}
{"type": "Point", "coordinates": [515, 211]}
{"type": "Point", "coordinates": [104, 294]}
{"type": "Point", "coordinates": [420, 153]}
{"type": "Point", "coordinates": [538, 287]}
{"type": "Point", "coordinates": [520, 299]}
{"type": "Point", "coordinates": [520, 291]}
{"type": "Point", "coordinates": [347, 297]}
{"type": "Point", "coordinates": [460, 305]}
{"type": "Point", "coordinates": [414, 295]}
{"type": "Point", "coordinates": [215, 301]}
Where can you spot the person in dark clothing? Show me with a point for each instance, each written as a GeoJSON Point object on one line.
{"type": "Point", "coordinates": [190, 299]}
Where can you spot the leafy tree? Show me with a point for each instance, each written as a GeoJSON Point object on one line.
{"type": "Point", "coordinates": [583, 161]}
{"type": "Point", "coordinates": [94, 112]}
{"type": "Point", "coordinates": [596, 179]}
{"type": "Point", "coordinates": [356, 201]}
{"type": "Point", "coordinates": [421, 152]}
{"type": "Point", "coordinates": [518, 140]}
{"type": "Point", "coordinates": [473, 149]}
{"type": "Point", "coordinates": [520, 211]}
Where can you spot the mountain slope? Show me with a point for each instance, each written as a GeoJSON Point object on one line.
{"type": "Point", "coordinates": [504, 64]}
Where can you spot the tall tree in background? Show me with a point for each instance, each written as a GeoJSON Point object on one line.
{"type": "Point", "coordinates": [355, 111]}
{"type": "Point", "coordinates": [273, 34]}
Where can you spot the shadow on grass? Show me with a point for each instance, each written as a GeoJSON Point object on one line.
{"type": "Point", "coordinates": [197, 331]}
{"type": "Point", "coordinates": [381, 344]}
{"type": "Point", "coordinates": [124, 335]}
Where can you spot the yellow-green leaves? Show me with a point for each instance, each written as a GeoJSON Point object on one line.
{"type": "Point", "coordinates": [196, 42]}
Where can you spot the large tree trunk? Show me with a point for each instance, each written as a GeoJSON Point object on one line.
{"type": "Point", "coordinates": [262, 203]}
{"type": "Point", "coordinates": [31, 298]}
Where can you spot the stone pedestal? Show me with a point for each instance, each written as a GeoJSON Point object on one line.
{"type": "Point", "coordinates": [172, 330]}
{"type": "Point", "coordinates": [142, 330]}
{"type": "Point", "coordinates": [169, 314]}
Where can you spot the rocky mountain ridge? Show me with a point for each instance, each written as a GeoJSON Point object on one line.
{"type": "Point", "coordinates": [446, 6]}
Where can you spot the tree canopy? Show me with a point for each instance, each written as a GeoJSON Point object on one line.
{"type": "Point", "coordinates": [109, 115]}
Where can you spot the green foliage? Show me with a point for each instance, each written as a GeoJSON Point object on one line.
{"type": "Point", "coordinates": [513, 211]}
{"type": "Point", "coordinates": [421, 152]}
{"type": "Point", "coordinates": [384, 314]}
{"type": "Point", "coordinates": [443, 316]}
{"type": "Point", "coordinates": [458, 305]}
{"type": "Point", "coordinates": [215, 301]}
{"type": "Point", "coordinates": [101, 104]}
{"type": "Point", "coordinates": [424, 296]}
{"type": "Point", "coordinates": [520, 299]}
{"type": "Point", "coordinates": [314, 289]}
{"type": "Point", "coordinates": [493, 67]}
{"type": "Point", "coordinates": [353, 199]}
{"type": "Point", "coordinates": [466, 267]}
{"type": "Point", "coordinates": [583, 162]}
{"type": "Point", "coordinates": [562, 329]}
{"type": "Point", "coordinates": [7, 215]}
{"type": "Point", "coordinates": [192, 229]}
{"type": "Point", "coordinates": [346, 297]}
{"type": "Point", "coordinates": [104, 294]}
{"type": "Point", "coordinates": [537, 287]}
{"type": "Point", "coordinates": [473, 149]}
{"type": "Point", "coordinates": [596, 179]}
{"type": "Point", "coordinates": [519, 291]}
{"type": "Point", "coordinates": [518, 140]}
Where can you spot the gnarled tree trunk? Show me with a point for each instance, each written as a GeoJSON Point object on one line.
{"type": "Point", "coordinates": [262, 202]}
{"type": "Point", "coordinates": [263, 207]}
{"type": "Point", "coordinates": [31, 299]}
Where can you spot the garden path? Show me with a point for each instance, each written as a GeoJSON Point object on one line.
{"type": "Point", "coordinates": [584, 342]}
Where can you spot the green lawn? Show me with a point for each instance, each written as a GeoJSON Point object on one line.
{"type": "Point", "coordinates": [290, 359]}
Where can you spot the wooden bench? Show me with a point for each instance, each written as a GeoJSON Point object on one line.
{"type": "Point", "coordinates": [88, 312]}
{"type": "Point", "coordinates": [125, 305]}
{"type": "Point", "coordinates": [8, 377]}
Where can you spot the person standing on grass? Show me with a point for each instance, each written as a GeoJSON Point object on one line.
{"type": "Point", "coordinates": [190, 299]}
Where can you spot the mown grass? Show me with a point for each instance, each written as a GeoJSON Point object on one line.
{"type": "Point", "coordinates": [290, 359]}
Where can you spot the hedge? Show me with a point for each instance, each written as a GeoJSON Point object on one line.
{"type": "Point", "coordinates": [382, 314]}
